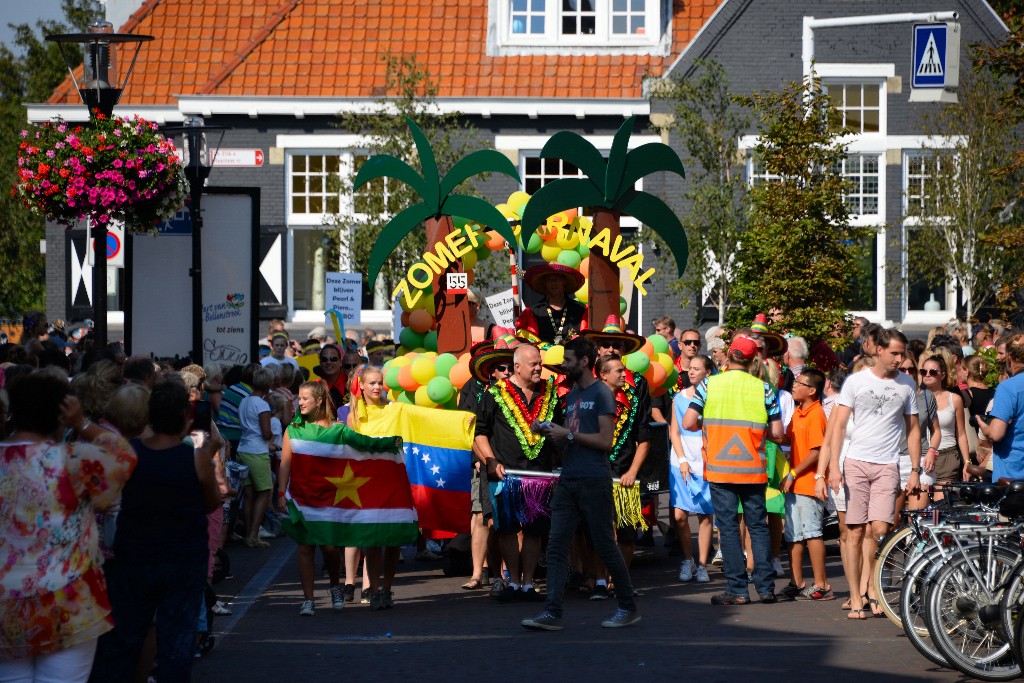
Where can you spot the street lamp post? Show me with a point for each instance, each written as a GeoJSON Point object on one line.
{"type": "Point", "coordinates": [100, 89]}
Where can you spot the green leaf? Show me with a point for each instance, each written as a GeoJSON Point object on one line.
{"type": "Point", "coordinates": [558, 195]}
{"type": "Point", "coordinates": [617, 160]}
{"type": "Point", "coordinates": [477, 210]}
{"type": "Point", "coordinates": [654, 157]}
{"type": "Point", "coordinates": [656, 215]}
{"type": "Point", "coordinates": [387, 166]}
{"type": "Point", "coordinates": [576, 150]}
{"type": "Point", "coordinates": [428, 164]}
{"type": "Point", "coordinates": [481, 161]}
{"type": "Point", "coordinates": [393, 234]}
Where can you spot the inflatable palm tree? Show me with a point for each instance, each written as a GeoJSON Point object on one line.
{"type": "Point", "coordinates": [608, 190]}
{"type": "Point", "coordinates": [437, 206]}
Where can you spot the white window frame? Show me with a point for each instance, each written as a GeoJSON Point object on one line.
{"type": "Point", "coordinates": [553, 40]}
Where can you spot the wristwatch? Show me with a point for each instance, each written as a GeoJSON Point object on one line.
{"type": "Point", "coordinates": [918, 470]}
{"type": "Point", "coordinates": [571, 437]}
{"type": "Point", "coordinates": [818, 477]}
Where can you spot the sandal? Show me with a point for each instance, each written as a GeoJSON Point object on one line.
{"type": "Point", "coordinates": [846, 605]}
{"type": "Point", "coordinates": [873, 604]}
{"type": "Point", "coordinates": [856, 615]}
{"type": "Point", "coordinates": [473, 584]}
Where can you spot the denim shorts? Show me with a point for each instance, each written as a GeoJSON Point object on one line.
{"type": "Point", "coordinates": [804, 517]}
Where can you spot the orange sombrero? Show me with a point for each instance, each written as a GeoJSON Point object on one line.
{"type": "Point", "coordinates": [534, 275]}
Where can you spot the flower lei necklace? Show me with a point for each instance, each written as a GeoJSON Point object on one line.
{"type": "Point", "coordinates": [520, 417]}
{"type": "Point", "coordinates": [625, 414]}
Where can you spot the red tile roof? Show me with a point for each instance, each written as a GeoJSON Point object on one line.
{"type": "Point", "coordinates": [325, 48]}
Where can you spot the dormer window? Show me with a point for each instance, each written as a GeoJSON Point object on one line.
{"type": "Point", "coordinates": [560, 23]}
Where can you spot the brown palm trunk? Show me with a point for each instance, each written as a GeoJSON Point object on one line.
{"type": "Point", "coordinates": [453, 333]}
{"type": "Point", "coordinates": [603, 280]}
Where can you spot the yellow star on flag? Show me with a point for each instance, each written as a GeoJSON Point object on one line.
{"type": "Point", "coordinates": [348, 486]}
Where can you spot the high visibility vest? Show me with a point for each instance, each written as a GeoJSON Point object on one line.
{"type": "Point", "coordinates": [734, 426]}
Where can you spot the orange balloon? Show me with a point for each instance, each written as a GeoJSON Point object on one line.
{"type": "Point", "coordinates": [405, 378]}
{"type": "Point", "coordinates": [459, 374]}
{"type": "Point", "coordinates": [585, 267]}
{"type": "Point", "coordinates": [420, 321]}
{"type": "Point", "coordinates": [658, 374]}
{"type": "Point", "coordinates": [495, 242]}
{"type": "Point", "coordinates": [648, 348]}
{"type": "Point", "coordinates": [659, 391]}
{"type": "Point", "coordinates": [648, 375]}
{"type": "Point", "coordinates": [405, 318]}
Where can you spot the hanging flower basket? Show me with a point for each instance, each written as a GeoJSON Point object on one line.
{"type": "Point", "coordinates": [113, 169]}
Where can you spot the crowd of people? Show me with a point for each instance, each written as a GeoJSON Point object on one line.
{"type": "Point", "coordinates": [131, 475]}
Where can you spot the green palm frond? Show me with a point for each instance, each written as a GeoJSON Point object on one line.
{"type": "Point", "coordinates": [656, 214]}
{"type": "Point", "coordinates": [481, 161]}
{"type": "Point", "coordinates": [578, 151]}
{"type": "Point", "coordinates": [394, 232]}
{"type": "Point", "coordinates": [477, 210]}
{"type": "Point", "coordinates": [617, 160]}
{"type": "Point", "coordinates": [387, 166]}
{"type": "Point", "coordinates": [650, 158]}
{"type": "Point", "coordinates": [428, 165]}
{"type": "Point", "coordinates": [559, 195]}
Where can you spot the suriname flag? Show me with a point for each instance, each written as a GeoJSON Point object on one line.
{"type": "Point", "coordinates": [348, 489]}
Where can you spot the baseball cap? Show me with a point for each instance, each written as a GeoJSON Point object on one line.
{"type": "Point", "coordinates": [742, 348]}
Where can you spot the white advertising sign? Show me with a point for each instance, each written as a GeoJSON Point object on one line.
{"type": "Point", "coordinates": [501, 308]}
{"type": "Point", "coordinates": [344, 293]}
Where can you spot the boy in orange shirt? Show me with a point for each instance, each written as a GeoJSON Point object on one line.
{"type": "Point", "coordinates": [804, 512]}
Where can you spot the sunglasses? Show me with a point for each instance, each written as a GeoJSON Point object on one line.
{"type": "Point", "coordinates": [350, 366]}
{"type": "Point", "coordinates": [691, 342]}
{"type": "Point", "coordinates": [502, 368]}
{"type": "Point", "coordinates": [931, 372]}
{"type": "Point", "coordinates": [329, 359]}
{"type": "Point", "coordinates": [909, 371]}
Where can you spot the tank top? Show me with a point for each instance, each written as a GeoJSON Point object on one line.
{"type": "Point", "coordinates": [947, 424]}
{"type": "Point", "coordinates": [163, 516]}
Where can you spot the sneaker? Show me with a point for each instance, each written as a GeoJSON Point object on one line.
{"type": "Point", "coordinates": [388, 598]}
{"type": "Point", "coordinates": [531, 595]}
{"type": "Point", "coordinates": [377, 601]}
{"type": "Point", "coordinates": [497, 588]}
{"type": "Point", "coordinates": [791, 591]}
{"type": "Point", "coordinates": [307, 609]}
{"type": "Point", "coordinates": [337, 597]}
{"type": "Point", "coordinates": [546, 621]}
{"type": "Point", "coordinates": [816, 593]}
{"type": "Point", "coordinates": [509, 594]}
{"type": "Point", "coordinates": [730, 599]}
{"type": "Point", "coordinates": [777, 566]}
{"type": "Point", "coordinates": [600, 593]}
{"type": "Point", "coordinates": [622, 617]}
{"type": "Point", "coordinates": [364, 597]}
{"type": "Point", "coordinates": [350, 592]}
{"type": "Point", "coordinates": [686, 571]}
{"type": "Point", "coordinates": [220, 609]}
{"type": "Point", "coordinates": [264, 534]}
{"type": "Point", "coordinates": [717, 559]}
{"type": "Point", "coordinates": [768, 598]}
{"type": "Point", "coordinates": [702, 575]}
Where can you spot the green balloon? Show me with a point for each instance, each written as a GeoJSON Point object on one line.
{"type": "Point", "coordinates": [583, 250]}
{"type": "Point", "coordinates": [444, 363]}
{"type": "Point", "coordinates": [407, 397]}
{"type": "Point", "coordinates": [440, 389]}
{"type": "Point", "coordinates": [637, 362]}
{"type": "Point", "coordinates": [672, 378]}
{"type": "Point", "coordinates": [622, 305]}
{"type": "Point", "coordinates": [659, 343]}
{"type": "Point", "coordinates": [410, 338]}
{"type": "Point", "coordinates": [534, 244]}
{"type": "Point", "coordinates": [430, 340]}
{"type": "Point", "coordinates": [453, 402]}
{"type": "Point", "coordinates": [569, 257]}
{"type": "Point", "coordinates": [391, 379]}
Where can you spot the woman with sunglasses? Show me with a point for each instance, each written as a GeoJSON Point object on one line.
{"type": "Point", "coordinates": [949, 457]}
{"type": "Point", "coordinates": [330, 370]}
{"type": "Point", "coordinates": [929, 419]}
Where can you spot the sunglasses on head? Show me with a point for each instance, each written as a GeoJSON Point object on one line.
{"type": "Point", "coordinates": [930, 372]}
{"type": "Point", "coordinates": [691, 342]}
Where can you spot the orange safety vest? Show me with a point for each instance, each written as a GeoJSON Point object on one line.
{"type": "Point", "coordinates": [734, 427]}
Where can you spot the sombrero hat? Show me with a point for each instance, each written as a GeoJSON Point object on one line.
{"type": "Point", "coordinates": [534, 275]}
{"type": "Point", "coordinates": [612, 332]}
{"type": "Point", "coordinates": [774, 344]}
{"type": "Point", "coordinates": [489, 354]}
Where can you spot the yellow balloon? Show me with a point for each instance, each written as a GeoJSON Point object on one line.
{"type": "Point", "coordinates": [665, 361]}
{"type": "Point", "coordinates": [402, 361]}
{"type": "Point", "coordinates": [554, 355]}
{"type": "Point", "coordinates": [581, 294]}
{"type": "Point", "coordinates": [550, 251]}
{"type": "Point", "coordinates": [423, 370]}
{"type": "Point", "coordinates": [567, 239]}
{"type": "Point", "coordinates": [469, 260]}
{"type": "Point", "coordinates": [422, 399]}
{"type": "Point", "coordinates": [517, 198]}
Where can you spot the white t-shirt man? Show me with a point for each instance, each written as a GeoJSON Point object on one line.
{"type": "Point", "coordinates": [249, 411]}
{"type": "Point", "coordinates": [879, 407]}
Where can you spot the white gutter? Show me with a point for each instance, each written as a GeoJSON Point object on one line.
{"type": "Point", "coordinates": [37, 113]}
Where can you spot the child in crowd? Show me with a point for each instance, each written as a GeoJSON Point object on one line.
{"type": "Point", "coordinates": [804, 512]}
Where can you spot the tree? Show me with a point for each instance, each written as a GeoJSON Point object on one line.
{"type": "Point", "coordinates": [710, 123]}
{"type": "Point", "coordinates": [964, 195]}
{"type": "Point", "coordinates": [798, 256]}
{"type": "Point", "coordinates": [608, 188]}
{"type": "Point", "coordinates": [29, 71]}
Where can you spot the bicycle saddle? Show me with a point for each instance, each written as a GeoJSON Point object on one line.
{"type": "Point", "coordinates": [990, 493]}
{"type": "Point", "coordinates": [1016, 486]}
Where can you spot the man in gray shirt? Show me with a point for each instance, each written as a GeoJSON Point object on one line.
{"type": "Point", "coordinates": [584, 490]}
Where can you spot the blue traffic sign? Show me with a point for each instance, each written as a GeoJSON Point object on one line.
{"type": "Point", "coordinates": [929, 69]}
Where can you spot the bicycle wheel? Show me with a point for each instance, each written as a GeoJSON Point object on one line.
{"type": "Point", "coordinates": [919, 578]}
{"type": "Point", "coordinates": [896, 551]}
{"type": "Point", "coordinates": [1012, 606]}
{"type": "Point", "coordinates": [964, 616]}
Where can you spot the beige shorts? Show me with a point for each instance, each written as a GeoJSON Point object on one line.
{"type": "Point", "coordinates": [871, 491]}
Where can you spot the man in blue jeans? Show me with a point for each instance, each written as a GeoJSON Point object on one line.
{"type": "Point", "coordinates": [584, 490]}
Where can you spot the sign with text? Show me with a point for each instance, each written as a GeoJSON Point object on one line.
{"type": "Point", "coordinates": [344, 293]}
{"type": "Point", "coordinates": [501, 305]}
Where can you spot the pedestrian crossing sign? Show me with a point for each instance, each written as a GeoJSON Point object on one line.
{"type": "Point", "coordinates": [936, 62]}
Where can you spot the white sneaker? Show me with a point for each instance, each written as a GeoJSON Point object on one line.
{"type": "Point", "coordinates": [717, 559]}
{"type": "Point", "coordinates": [686, 571]}
{"type": "Point", "coordinates": [264, 534]}
{"type": "Point", "coordinates": [702, 575]}
{"type": "Point", "coordinates": [337, 597]}
{"type": "Point", "coordinates": [777, 566]}
{"type": "Point", "coordinates": [220, 608]}
{"type": "Point", "coordinates": [307, 609]}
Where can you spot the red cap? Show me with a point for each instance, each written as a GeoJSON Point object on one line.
{"type": "Point", "coordinates": [743, 349]}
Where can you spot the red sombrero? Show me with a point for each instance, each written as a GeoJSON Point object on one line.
{"type": "Point", "coordinates": [612, 332]}
{"type": "Point", "coordinates": [481, 365]}
{"type": "Point", "coordinates": [534, 275]}
{"type": "Point", "coordinates": [774, 344]}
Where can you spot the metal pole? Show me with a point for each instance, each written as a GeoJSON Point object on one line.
{"type": "Point", "coordinates": [99, 284]}
{"type": "Point", "coordinates": [196, 271]}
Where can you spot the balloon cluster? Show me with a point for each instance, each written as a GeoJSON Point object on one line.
{"type": "Point", "coordinates": [654, 361]}
{"type": "Point", "coordinates": [428, 379]}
